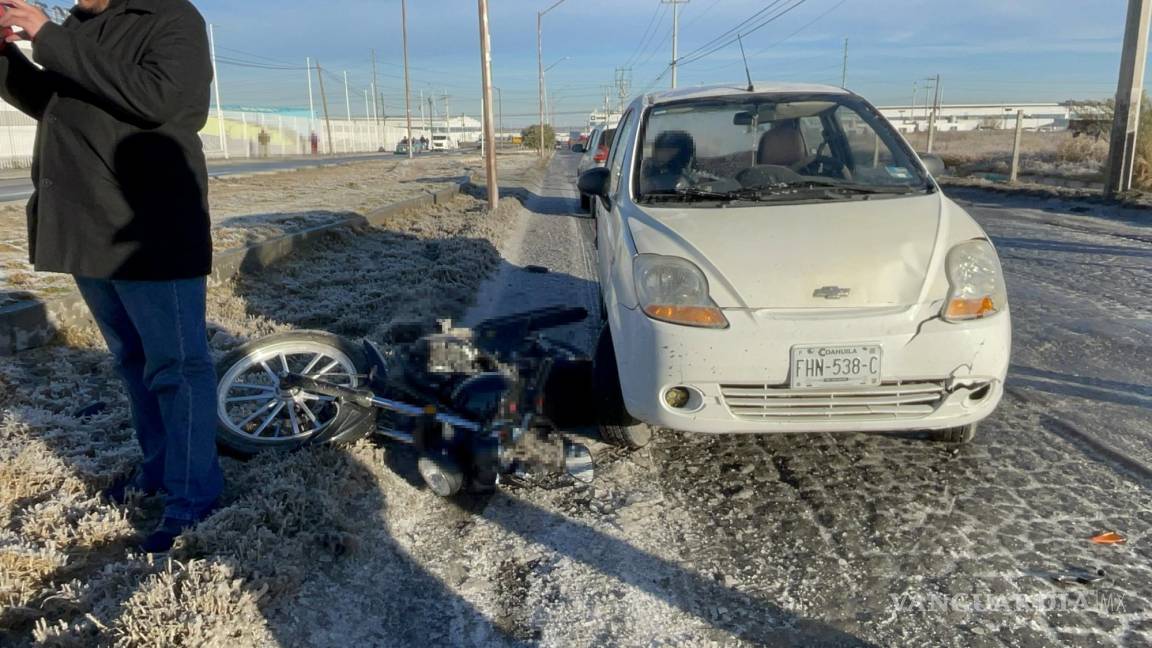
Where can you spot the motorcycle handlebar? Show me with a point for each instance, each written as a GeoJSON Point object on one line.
{"type": "Point", "coordinates": [514, 328]}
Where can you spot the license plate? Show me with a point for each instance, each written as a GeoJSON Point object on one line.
{"type": "Point", "coordinates": [827, 367]}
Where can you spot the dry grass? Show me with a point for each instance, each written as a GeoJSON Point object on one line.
{"type": "Point", "coordinates": [66, 576]}
{"type": "Point", "coordinates": [1041, 153]}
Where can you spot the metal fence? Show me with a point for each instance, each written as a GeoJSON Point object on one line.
{"type": "Point", "coordinates": [251, 135]}
{"type": "Point", "coordinates": [237, 135]}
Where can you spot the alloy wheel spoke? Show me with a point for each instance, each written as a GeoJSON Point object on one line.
{"type": "Point", "coordinates": [263, 388]}
{"type": "Point", "coordinates": [271, 417]}
{"type": "Point", "coordinates": [273, 376]}
{"type": "Point", "coordinates": [256, 414]}
{"type": "Point", "coordinates": [309, 413]}
{"type": "Point", "coordinates": [332, 365]}
{"type": "Point", "coordinates": [293, 418]}
{"type": "Point", "coordinates": [246, 399]}
{"type": "Point", "coordinates": [315, 361]}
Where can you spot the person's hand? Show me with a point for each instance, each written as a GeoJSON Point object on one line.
{"type": "Point", "coordinates": [18, 13]}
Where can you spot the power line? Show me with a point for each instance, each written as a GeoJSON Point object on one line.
{"type": "Point", "coordinates": [733, 30]}
{"type": "Point", "coordinates": [648, 33]}
{"type": "Point", "coordinates": [771, 19]}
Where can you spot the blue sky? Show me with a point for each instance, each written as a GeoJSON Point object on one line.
{"type": "Point", "coordinates": [984, 50]}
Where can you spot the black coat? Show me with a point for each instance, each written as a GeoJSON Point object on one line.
{"type": "Point", "coordinates": [121, 187]}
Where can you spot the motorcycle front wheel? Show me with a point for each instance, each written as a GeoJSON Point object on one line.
{"type": "Point", "coordinates": [254, 414]}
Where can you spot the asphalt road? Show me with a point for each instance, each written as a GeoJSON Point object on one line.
{"type": "Point", "coordinates": [892, 540]}
{"type": "Point", "coordinates": [12, 189]}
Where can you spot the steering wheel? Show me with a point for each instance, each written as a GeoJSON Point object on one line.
{"type": "Point", "coordinates": [822, 165]}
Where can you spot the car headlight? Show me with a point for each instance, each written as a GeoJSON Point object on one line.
{"type": "Point", "coordinates": [976, 282]}
{"type": "Point", "coordinates": [674, 290]}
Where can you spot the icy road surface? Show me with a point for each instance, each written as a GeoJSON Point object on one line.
{"type": "Point", "coordinates": [820, 540]}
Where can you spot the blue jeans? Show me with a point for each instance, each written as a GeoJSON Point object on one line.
{"type": "Point", "coordinates": [156, 330]}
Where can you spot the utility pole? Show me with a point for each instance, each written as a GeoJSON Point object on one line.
{"type": "Point", "coordinates": [407, 84]}
{"type": "Point", "coordinates": [623, 85]}
{"type": "Point", "coordinates": [1015, 171]}
{"type": "Point", "coordinates": [311, 102]}
{"type": "Point", "coordinates": [324, 101]}
{"type": "Point", "coordinates": [500, 110]}
{"type": "Point", "coordinates": [1129, 91]}
{"type": "Point", "coordinates": [447, 119]}
{"type": "Point", "coordinates": [348, 106]}
{"type": "Point", "coordinates": [675, 34]}
{"type": "Point", "coordinates": [423, 115]}
{"type": "Point", "coordinates": [375, 91]}
{"type": "Point", "coordinates": [844, 70]}
{"type": "Point", "coordinates": [216, 82]}
{"type": "Point", "coordinates": [934, 116]}
{"type": "Point", "coordinates": [489, 128]}
{"type": "Point", "coordinates": [367, 116]}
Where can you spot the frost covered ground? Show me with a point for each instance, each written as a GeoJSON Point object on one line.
{"type": "Point", "coordinates": [250, 208]}
{"type": "Point", "coordinates": [784, 540]}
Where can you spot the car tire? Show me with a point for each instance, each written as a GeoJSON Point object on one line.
{"type": "Point", "coordinates": [959, 435]}
{"type": "Point", "coordinates": [585, 203]}
{"type": "Point", "coordinates": [617, 426]}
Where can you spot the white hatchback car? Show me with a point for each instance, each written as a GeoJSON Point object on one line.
{"type": "Point", "coordinates": [778, 259]}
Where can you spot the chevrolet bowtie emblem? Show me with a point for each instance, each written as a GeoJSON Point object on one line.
{"type": "Point", "coordinates": [832, 292]}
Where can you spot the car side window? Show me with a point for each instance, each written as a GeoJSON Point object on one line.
{"type": "Point", "coordinates": [616, 154]}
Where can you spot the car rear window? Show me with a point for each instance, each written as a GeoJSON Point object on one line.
{"type": "Point", "coordinates": [609, 136]}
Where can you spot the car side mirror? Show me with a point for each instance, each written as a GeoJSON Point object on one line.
{"type": "Point", "coordinates": [594, 182]}
{"type": "Point", "coordinates": [933, 163]}
{"type": "Point", "coordinates": [577, 148]}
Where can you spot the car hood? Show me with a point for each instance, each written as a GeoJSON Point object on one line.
{"type": "Point", "coordinates": [853, 254]}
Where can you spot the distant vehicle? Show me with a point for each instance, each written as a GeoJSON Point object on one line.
{"type": "Point", "coordinates": [443, 143]}
{"type": "Point", "coordinates": [595, 154]}
{"type": "Point", "coordinates": [779, 260]}
{"type": "Point", "coordinates": [402, 147]}
{"type": "Point", "coordinates": [577, 141]}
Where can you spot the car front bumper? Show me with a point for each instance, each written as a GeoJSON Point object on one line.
{"type": "Point", "coordinates": [935, 374]}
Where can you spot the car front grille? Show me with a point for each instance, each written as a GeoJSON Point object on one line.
{"type": "Point", "coordinates": [889, 401]}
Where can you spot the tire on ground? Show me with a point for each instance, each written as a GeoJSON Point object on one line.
{"type": "Point", "coordinates": [351, 423]}
{"type": "Point", "coordinates": [962, 434]}
{"type": "Point", "coordinates": [617, 426]}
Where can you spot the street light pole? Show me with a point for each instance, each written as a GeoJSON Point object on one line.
{"type": "Point", "coordinates": [407, 82]}
{"type": "Point", "coordinates": [216, 82]}
{"type": "Point", "coordinates": [675, 34]}
{"type": "Point", "coordinates": [540, 68]}
{"type": "Point", "coordinates": [489, 126]}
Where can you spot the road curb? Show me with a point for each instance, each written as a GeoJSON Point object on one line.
{"type": "Point", "coordinates": [32, 324]}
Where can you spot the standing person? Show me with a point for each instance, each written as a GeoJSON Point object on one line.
{"type": "Point", "coordinates": [315, 143]}
{"type": "Point", "coordinates": [264, 139]}
{"type": "Point", "coordinates": [121, 203]}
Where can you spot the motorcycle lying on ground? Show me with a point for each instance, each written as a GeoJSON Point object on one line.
{"type": "Point", "coordinates": [480, 406]}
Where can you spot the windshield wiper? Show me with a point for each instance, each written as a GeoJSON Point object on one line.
{"type": "Point", "coordinates": [687, 194]}
{"type": "Point", "coordinates": [850, 187]}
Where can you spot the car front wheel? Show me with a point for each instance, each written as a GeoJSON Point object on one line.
{"type": "Point", "coordinates": [617, 426]}
{"type": "Point", "coordinates": [962, 434]}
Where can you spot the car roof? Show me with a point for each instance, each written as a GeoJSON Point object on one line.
{"type": "Point", "coordinates": [733, 89]}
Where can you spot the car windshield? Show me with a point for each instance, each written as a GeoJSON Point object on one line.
{"type": "Point", "coordinates": [778, 148]}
